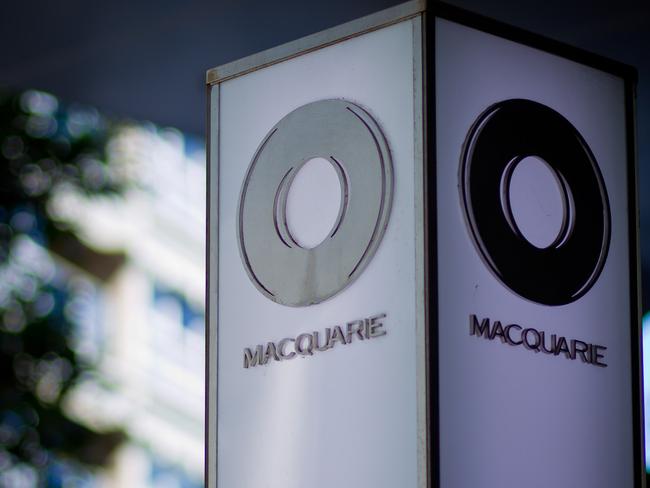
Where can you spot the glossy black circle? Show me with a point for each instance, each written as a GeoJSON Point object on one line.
{"type": "Point", "coordinates": [503, 135]}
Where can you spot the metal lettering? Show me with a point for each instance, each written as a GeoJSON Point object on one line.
{"type": "Point", "coordinates": [534, 346]}
{"type": "Point", "coordinates": [270, 353]}
{"type": "Point", "coordinates": [280, 349]}
{"type": "Point", "coordinates": [251, 359]}
{"type": "Point", "coordinates": [483, 328]}
{"type": "Point", "coordinates": [509, 337]}
{"type": "Point", "coordinates": [538, 341]}
{"type": "Point", "coordinates": [309, 350]}
{"type": "Point", "coordinates": [497, 330]}
{"type": "Point", "coordinates": [307, 343]}
{"type": "Point", "coordinates": [562, 347]}
{"type": "Point", "coordinates": [328, 334]}
{"type": "Point", "coordinates": [596, 356]}
{"type": "Point", "coordinates": [376, 327]}
{"type": "Point", "coordinates": [544, 349]}
{"type": "Point", "coordinates": [584, 348]}
{"type": "Point", "coordinates": [337, 335]}
{"type": "Point", "coordinates": [360, 327]}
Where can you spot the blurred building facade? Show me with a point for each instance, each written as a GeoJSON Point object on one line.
{"type": "Point", "coordinates": [138, 263]}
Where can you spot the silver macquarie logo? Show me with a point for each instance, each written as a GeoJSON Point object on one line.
{"type": "Point", "coordinates": [502, 137]}
{"type": "Point", "coordinates": [348, 137]}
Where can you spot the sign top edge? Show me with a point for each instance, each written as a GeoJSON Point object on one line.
{"type": "Point", "coordinates": [316, 41]}
{"type": "Point", "coordinates": [403, 12]}
{"type": "Point", "coordinates": [446, 11]}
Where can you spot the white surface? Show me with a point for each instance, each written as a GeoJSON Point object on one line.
{"type": "Point", "coordinates": [536, 201]}
{"type": "Point", "coordinates": [509, 417]}
{"type": "Point", "coordinates": [313, 202]}
{"type": "Point", "coordinates": [345, 417]}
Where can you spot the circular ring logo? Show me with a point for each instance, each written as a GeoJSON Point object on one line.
{"type": "Point", "coordinates": [502, 136]}
{"type": "Point", "coordinates": [348, 137]}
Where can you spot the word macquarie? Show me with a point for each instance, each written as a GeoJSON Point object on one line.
{"type": "Point", "coordinates": [309, 343]}
{"type": "Point", "coordinates": [538, 341]}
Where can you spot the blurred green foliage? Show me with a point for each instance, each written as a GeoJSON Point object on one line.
{"type": "Point", "coordinates": [45, 148]}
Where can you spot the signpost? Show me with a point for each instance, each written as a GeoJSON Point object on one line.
{"type": "Point", "coordinates": [422, 252]}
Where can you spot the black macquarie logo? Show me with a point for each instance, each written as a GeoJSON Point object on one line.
{"type": "Point", "coordinates": [505, 134]}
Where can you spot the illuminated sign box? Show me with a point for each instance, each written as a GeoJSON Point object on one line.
{"type": "Point", "coordinates": [422, 253]}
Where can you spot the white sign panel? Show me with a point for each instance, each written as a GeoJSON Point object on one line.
{"type": "Point", "coordinates": [534, 318]}
{"type": "Point", "coordinates": [318, 301]}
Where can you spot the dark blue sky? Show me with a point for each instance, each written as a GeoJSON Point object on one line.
{"type": "Point", "coordinates": [146, 59]}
